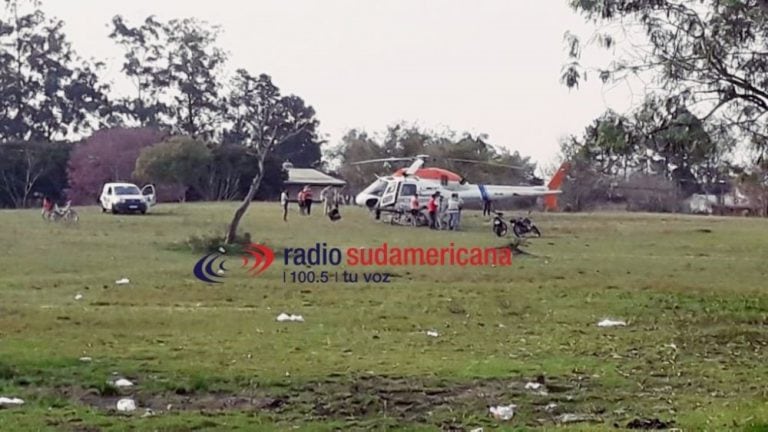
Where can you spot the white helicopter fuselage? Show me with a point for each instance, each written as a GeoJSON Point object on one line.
{"type": "Point", "coordinates": [388, 191]}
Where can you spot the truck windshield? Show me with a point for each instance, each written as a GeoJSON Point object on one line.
{"type": "Point", "coordinates": [127, 190]}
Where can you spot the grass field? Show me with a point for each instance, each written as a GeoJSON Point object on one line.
{"type": "Point", "coordinates": [213, 357]}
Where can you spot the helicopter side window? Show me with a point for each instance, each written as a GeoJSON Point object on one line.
{"type": "Point", "coordinates": [408, 190]}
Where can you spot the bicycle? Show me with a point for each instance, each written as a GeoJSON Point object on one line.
{"type": "Point", "coordinates": [65, 214]}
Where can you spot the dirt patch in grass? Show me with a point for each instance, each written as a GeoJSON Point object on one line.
{"type": "Point", "coordinates": [409, 400]}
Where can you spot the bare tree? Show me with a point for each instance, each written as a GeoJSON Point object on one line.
{"type": "Point", "coordinates": [261, 120]}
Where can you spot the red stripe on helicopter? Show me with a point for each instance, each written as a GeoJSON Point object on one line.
{"type": "Point", "coordinates": [431, 174]}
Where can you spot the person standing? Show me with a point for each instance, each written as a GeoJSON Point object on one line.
{"type": "Point", "coordinates": [432, 210]}
{"type": "Point", "coordinates": [415, 209]}
{"type": "Point", "coordinates": [308, 199]}
{"type": "Point", "coordinates": [442, 210]}
{"type": "Point", "coordinates": [47, 207]}
{"type": "Point", "coordinates": [461, 209]}
{"type": "Point", "coordinates": [486, 206]}
{"type": "Point", "coordinates": [453, 212]}
{"type": "Point", "coordinates": [300, 199]}
{"type": "Point", "coordinates": [284, 204]}
{"type": "Point", "coordinates": [327, 198]}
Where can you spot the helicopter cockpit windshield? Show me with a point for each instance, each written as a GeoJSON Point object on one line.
{"type": "Point", "coordinates": [376, 188]}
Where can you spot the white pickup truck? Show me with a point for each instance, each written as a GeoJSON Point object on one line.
{"type": "Point", "coordinates": [127, 198]}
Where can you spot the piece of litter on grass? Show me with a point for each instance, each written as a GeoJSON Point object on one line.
{"type": "Point", "coordinates": [123, 281]}
{"type": "Point", "coordinates": [432, 333]}
{"type": "Point", "coordinates": [126, 405]}
{"type": "Point", "coordinates": [550, 407]}
{"type": "Point", "coordinates": [477, 430]}
{"type": "Point", "coordinates": [6, 401]}
{"type": "Point", "coordinates": [611, 323]}
{"type": "Point", "coordinates": [78, 296]}
{"type": "Point", "coordinates": [577, 418]}
{"type": "Point", "coordinates": [284, 317]}
{"type": "Point", "coordinates": [85, 359]}
{"type": "Point", "coordinates": [503, 412]}
{"type": "Point", "coordinates": [533, 386]}
{"type": "Point", "coordinates": [148, 413]}
{"type": "Point", "coordinates": [122, 382]}
{"type": "Point", "coordinates": [222, 250]}
{"type": "Point", "coordinates": [220, 271]}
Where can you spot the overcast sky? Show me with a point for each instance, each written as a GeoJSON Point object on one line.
{"type": "Point", "coordinates": [483, 66]}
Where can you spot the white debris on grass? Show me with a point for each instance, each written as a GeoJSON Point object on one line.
{"type": "Point", "coordinates": [611, 323]}
{"type": "Point", "coordinates": [122, 382]}
{"type": "Point", "coordinates": [222, 250]}
{"type": "Point", "coordinates": [533, 386]}
{"type": "Point", "coordinates": [85, 359]}
{"type": "Point", "coordinates": [432, 333]}
{"type": "Point", "coordinates": [123, 281]}
{"type": "Point", "coordinates": [577, 418]}
{"type": "Point", "coordinates": [502, 412]}
{"type": "Point", "coordinates": [10, 401]}
{"type": "Point", "coordinates": [284, 317]}
{"type": "Point", "coordinates": [550, 407]}
{"type": "Point", "coordinates": [126, 405]}
{"type": "Point", "coordinates": [477, 430]}
{"type": "Point", "coordinates": [78, 296]}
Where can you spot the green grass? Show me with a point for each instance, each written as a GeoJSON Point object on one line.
{"type": "Point", "coordinates": [693, 290]}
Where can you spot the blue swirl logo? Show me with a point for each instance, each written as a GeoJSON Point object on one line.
{"type": "Point", "coordinates": [211, 269]}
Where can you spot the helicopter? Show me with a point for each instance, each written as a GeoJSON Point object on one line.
{"type": "Point", "coordinates": [393, 192]}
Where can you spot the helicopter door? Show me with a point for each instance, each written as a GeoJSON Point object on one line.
{"type": "Point", "coordinates": [390, 194]}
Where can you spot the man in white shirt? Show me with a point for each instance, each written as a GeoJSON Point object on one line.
{"type": "Point", "coordinates": [454, 211]}
{"type": "Point", "coordinates": [325, 196]}
{"type": "Point", "coordinates": [284, 204]}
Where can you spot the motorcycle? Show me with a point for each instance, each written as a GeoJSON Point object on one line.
{"type": "Point", "coordinates": [524, 226]}
{"type": "Point", "coordinates": [520, 226]}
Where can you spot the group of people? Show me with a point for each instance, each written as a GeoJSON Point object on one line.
{"type": "Point", "coordinates": [330, 199]}
{"type": "Point", "coordinates": [443, 214]}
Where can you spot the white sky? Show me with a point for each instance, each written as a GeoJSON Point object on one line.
{"type": "Point", "coordinates": [483, 66]}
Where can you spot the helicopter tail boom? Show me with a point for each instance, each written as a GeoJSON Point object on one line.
{"type": "Point", "coordinates": [550, 201]}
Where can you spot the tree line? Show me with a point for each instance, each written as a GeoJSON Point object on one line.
{"type": "Point", "coordinates": [705, 65]}
{"type": "Point", "coordinates": [188, 125]}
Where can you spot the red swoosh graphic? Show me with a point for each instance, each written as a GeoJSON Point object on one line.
{"type": "Point", "coordinates": [263, 258]}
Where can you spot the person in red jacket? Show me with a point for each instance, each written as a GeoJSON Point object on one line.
{"type": "Point", "coordinates": [47, 206]}
{"type": "Point", "coordinates": [432, 210]}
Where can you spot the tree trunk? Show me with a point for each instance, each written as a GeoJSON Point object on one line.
{"type": "Point", "coordinates": [240, 212]}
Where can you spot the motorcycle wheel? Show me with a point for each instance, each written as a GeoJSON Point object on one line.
{"type": "Point", "coordinates": [518, 230]}
{"type": "Point", "coordinates": [500, 229]}
{"type": "Point", "coordinates": [72, 217]}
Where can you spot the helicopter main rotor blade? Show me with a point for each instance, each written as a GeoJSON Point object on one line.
{"type": "Point", "coordinates": [486, 163]}
{"type": "Point", "coordinates": [392, 159]}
